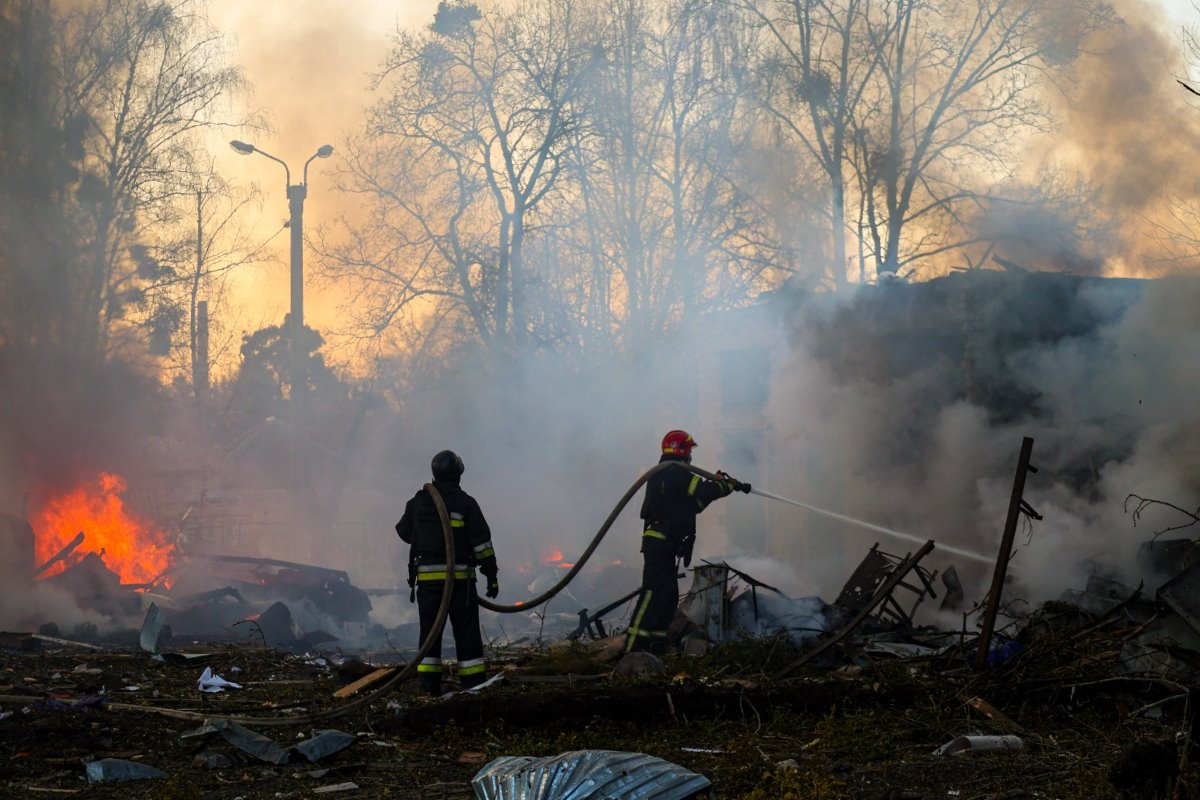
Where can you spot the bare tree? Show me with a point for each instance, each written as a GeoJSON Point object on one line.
{"type": "Point", "coordinates": [107, 100]}
{"type": "Point", "coordinates": [663, 224]}
{"type": "Point", "coordinates": [818, 67]}
{"type": "Point", "coordinates": [957, 89]}
{"type": "Point", "coordinates": [469, 137]}
{"type": "Point", "coordinates": [199, 241]}
{"type": "Point", "coordinates": [146, 77]}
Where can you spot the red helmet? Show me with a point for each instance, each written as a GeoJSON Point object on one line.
{"type": "Point", "coordinates": [678, 443]}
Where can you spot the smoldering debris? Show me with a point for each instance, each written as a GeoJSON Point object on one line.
{"type": "Point", "coordinates": [1122, 663]}
{"type": "Point", "coordinates": [207, 596]}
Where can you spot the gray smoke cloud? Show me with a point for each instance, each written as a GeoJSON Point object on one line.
{"type": "Point", "coordinates": [1109, 408]}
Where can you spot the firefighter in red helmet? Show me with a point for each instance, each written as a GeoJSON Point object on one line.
{"type": "Point", "coordinates": [673, 499]}
{"type": "Point", "coordinates": [429, 562]}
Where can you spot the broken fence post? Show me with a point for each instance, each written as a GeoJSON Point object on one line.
{"type": "Point", "coordinates": [1015, 506]}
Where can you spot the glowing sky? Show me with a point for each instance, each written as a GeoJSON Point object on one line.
{"type": "Point", "coordinates": [309, 64]}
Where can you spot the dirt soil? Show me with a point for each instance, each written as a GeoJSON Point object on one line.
{"type": "Point", "coordinates": [856, 727]}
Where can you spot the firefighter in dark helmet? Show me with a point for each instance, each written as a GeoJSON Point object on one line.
{"type": "Point", "coordinates": [673, 499]}
{"type": "Point", "coordinates": [428, 563]}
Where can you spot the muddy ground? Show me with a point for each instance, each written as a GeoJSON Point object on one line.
{"type": "Point", "coordinates": [852, 727]}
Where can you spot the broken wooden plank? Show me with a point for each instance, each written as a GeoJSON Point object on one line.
{"type": "Point", "coordinates": [381, 674]}
{"type": "Point", "coordinates": [59, 556]}
{"type": "Point", "coordinates": [49, 790]}
{"type": "Point", "coordinates": [993, 713]}
{"type": "Point", "coordinates": [66, 642]}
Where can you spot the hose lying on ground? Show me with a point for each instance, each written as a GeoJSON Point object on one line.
{"type": "Point", "coordinates": [435, 633]}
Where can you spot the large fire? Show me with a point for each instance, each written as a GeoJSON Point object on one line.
{"type": "Point", "coordinates": [131, 547]}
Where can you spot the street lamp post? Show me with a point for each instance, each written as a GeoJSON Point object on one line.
{"type": "Point", "coordinates": [295, 194]}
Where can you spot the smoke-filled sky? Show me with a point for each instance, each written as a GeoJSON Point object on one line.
{"type": "Point", "coordinates": [310, 62]}
{"type": "Point", "coordinates": [548, 460]}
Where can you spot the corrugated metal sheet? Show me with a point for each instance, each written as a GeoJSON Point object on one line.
{"type": "Point", "coordinates": [586, 775]}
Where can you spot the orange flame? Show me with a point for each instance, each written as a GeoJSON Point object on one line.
{"type": "Point", "coordinates": [132, 547]}
{"type": "Point", "coordinates": [555, 556]}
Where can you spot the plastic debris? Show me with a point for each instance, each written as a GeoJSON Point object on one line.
{"type": "Point", "coordinates": [492, 681]}
{"type": "Point", "coordinates": [586, 775]}
{"type": "Point", "coordinates": [115, 770]}
{"type": "Point", "coordinates": [323, 744]}
{"type": "Point", "coordinates": [1000, 652]}
{"type": "Point", "coordinates": [962, 745]}
{"type": "Point", "coordinates": [337, 787]}
{"type": "Point", "coordinates": [85, 703]}
{"type": "Point", "coordinates": [210, 682]}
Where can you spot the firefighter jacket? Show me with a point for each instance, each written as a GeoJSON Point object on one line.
{"type": "Point", "coordinates": [673, 499]}
{"type": "Point", "coordinates": [421, 528]}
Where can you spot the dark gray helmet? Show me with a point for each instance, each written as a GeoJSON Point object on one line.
{"type": "Point", "coordinates": [447, 466]}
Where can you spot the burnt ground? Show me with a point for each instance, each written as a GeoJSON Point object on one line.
{"type": "Point", "coordinates": [858, 727]}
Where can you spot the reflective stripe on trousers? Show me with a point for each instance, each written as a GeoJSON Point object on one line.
{"type": "Point", "coordinates": [472, 666]}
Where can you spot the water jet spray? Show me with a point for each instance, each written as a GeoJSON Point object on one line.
{"type": "Point", "coordinates": [958, 551]}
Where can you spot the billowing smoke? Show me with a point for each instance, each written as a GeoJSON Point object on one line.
{"type": "Point", "coordinates": [904, 406]}
{"type": "Point", "coordinates": [1120, 163]}
{"type": "Point", "coordinates": [871, 404]}
{"type": "Point", "coordinates": [914, 439]}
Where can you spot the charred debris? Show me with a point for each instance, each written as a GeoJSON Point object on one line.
{"type": "Point", "coordinates": [767, 695]}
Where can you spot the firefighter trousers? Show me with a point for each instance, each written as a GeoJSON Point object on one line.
{"type": "Point", "coordinates": [655, 607]}
{"type": "Point", "coordinates": [468, 641]}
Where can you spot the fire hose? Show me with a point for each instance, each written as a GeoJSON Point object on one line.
{"type": "Point", "coordinates": [435, 633]}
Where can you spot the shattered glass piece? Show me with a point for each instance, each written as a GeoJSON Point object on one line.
{"type": "Point", "coordinates": [253, 743]}
{"type": "Point", "coordinates": [323, 744]}
{"type": "Point", "coordinates": [586, 775]}
{"type": "Point", "coordinates": [961, 745]}
{"type": "Point", "coordinates": [207, 729]}
{"type": "Point", "coordinates": [152, 628]}
{"type": "Point", "coordinates": [114, 770]}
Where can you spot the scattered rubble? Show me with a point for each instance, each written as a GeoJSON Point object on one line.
{"type": "Point", "coordinates": [1088, 696]}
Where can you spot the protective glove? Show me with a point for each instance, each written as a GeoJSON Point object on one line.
{"type": "Point", "coordinates": [493, 587]}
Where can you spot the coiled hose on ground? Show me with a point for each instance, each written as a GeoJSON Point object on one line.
{"type": "Point", "coordinates": [435, 633]}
